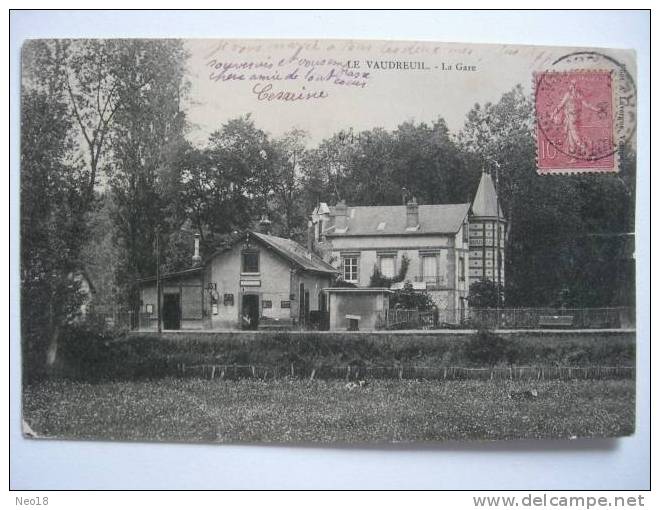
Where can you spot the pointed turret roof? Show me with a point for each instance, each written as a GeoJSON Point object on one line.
{"type": "Point", "coordinates": [485, 201]}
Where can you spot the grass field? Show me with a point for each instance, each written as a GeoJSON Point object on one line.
{"type": "Point", "coordinates": [295, 410]}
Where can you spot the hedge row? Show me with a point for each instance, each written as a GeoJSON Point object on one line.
{"type": "Point", "coordinates": [89, 355]}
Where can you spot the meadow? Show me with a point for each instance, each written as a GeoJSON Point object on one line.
{"type": "Point", "coordinates": [295, 410]}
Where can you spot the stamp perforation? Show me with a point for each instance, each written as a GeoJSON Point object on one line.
{"type": "Point", "coordinates": [582, 158]}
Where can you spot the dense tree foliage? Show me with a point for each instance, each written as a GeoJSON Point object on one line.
{"type": "Point", "coordinates": [566, 234]}
{"type": "Point", "coordinates": [379, 167]}
{"type": "Point", "coordinates": [486, 294]}
{"type": "Point", "coordinates": [52, 228]}
{"type": "Point", "coordinates": [290, 216]}
{"type": "Point", "coordinates": [146, 136]}
{"type": "Point", "coordinates": [227, 183]}
{"type": "Point", "coordinates": [120, 102]}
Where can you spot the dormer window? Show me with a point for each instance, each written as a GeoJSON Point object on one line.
{"type": "Point", "coordinates": [250, 261]}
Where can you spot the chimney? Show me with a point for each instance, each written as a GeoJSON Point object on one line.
{"type": "Point", "coordinates": [197, 259]}
{"type": "Point", "coordinates": [320, 220]}
{"type": "Point", "coordinates": [412, 214]}
{"type": "Point", "coordinates": [341, 216]}
{"type": "Point", "coordinates": [321, 231]}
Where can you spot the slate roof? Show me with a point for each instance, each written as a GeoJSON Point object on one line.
{"type": "Point", "coordinates": [295, 253]}
{"type": "Point", "coordinates": [485, 201]}
{"type": "Point", "coordinates": [286, 248]}
{"type": "Point", "coordinates": [433, 219]}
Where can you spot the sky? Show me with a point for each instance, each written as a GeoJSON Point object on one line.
{"type": "Point", "coordinates": [353, 84]}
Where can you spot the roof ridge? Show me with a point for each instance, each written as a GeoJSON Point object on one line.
{"type": "Point", "coordinates": [402, 205]}
{"type": "Point", "coordinates": [433, 219]}
{"type": "Point", "coordinates": [293, 249]}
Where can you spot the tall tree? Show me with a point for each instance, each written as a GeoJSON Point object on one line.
{"type": "Point", "coordinates": [286, 207]}
{"type": "Point", "coordinates": [100, 254]}
{"type": "Point", "coordinates": [227, 184]}
{"type": "Point", "coordinates": [82, 74]}
{"type": "Point", "coordinates": [369, 177]}
{"type": "Point", "coordinates": [427, 163]}
{"type": "Point", "coordinates": [245, 154]}
{"type": "Point", "coordinates": [147, 133]}
{"type": "Point", "coordinates": [326, 170]}
{"type": "Point", "coordinates": [52, 204]}
{"type": "Point", "coordinates": [69, 94]}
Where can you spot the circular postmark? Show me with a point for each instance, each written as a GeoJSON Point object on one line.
{"type": "Point", "coordinates": [585, 111]}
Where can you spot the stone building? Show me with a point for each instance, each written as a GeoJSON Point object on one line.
{"type": "Point", "coordinates": [259, 281]}
{"type": "Point", "coordinates": [448, 246]}
{"type": "Point", "coordinates": [433, 238]}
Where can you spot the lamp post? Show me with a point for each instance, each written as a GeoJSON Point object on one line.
{"type": "Point", "coordinates": [499, 253]}
{"type": "Point", "coordinates": [157, 231]}
{"type": "Point", "coordinates": [491, 136]}
{"type": "Point", "coordinates": [497, 226]}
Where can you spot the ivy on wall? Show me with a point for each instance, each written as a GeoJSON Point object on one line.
{"type": "Point", "coordinates": [379, 280]}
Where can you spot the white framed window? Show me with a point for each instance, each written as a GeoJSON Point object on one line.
{"type": "Point", "coordinates": [430, 269]}
{"type": "Point", "coordinates": [351, 265]}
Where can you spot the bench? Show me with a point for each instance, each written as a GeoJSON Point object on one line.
{"type": "Point", "coordinates": [554, 321]}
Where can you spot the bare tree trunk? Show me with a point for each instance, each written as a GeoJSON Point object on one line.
{"type": "Point", "coordinates": [51, 355]}
{"type": "Point", "coordinates": [53, 341]}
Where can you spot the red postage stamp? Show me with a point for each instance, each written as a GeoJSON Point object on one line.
{"type": "Point", "coordinates": [575, 121]}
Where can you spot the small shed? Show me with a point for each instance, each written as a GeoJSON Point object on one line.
{"type": "Point", "coordinates": [356, 308]}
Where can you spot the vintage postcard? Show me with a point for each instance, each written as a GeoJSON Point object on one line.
{"type": "Point", "coordinates": [326, 241]}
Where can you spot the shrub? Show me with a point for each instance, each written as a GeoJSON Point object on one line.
{"type": "Point", "coordinates": [486, 348]}
{"type": "Point", "coordinates": [96, 356]}
{"type": "Point", "coordinates": [410, 299]}
{"type": "Point", "coordinates": [485, 294]}
{"type": "Point", "coordinates": [84, 348]}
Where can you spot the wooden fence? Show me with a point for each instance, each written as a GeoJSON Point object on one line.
{"type": "Point", "coordinates": [352, 373]}
{"type": "Point", "coordinates": [473, 318]}
{"type": "Point", "coordinates": [126, 319]}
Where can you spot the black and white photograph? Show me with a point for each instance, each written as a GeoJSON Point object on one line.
{"type": "Point", "coordinates": [326, 241]}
